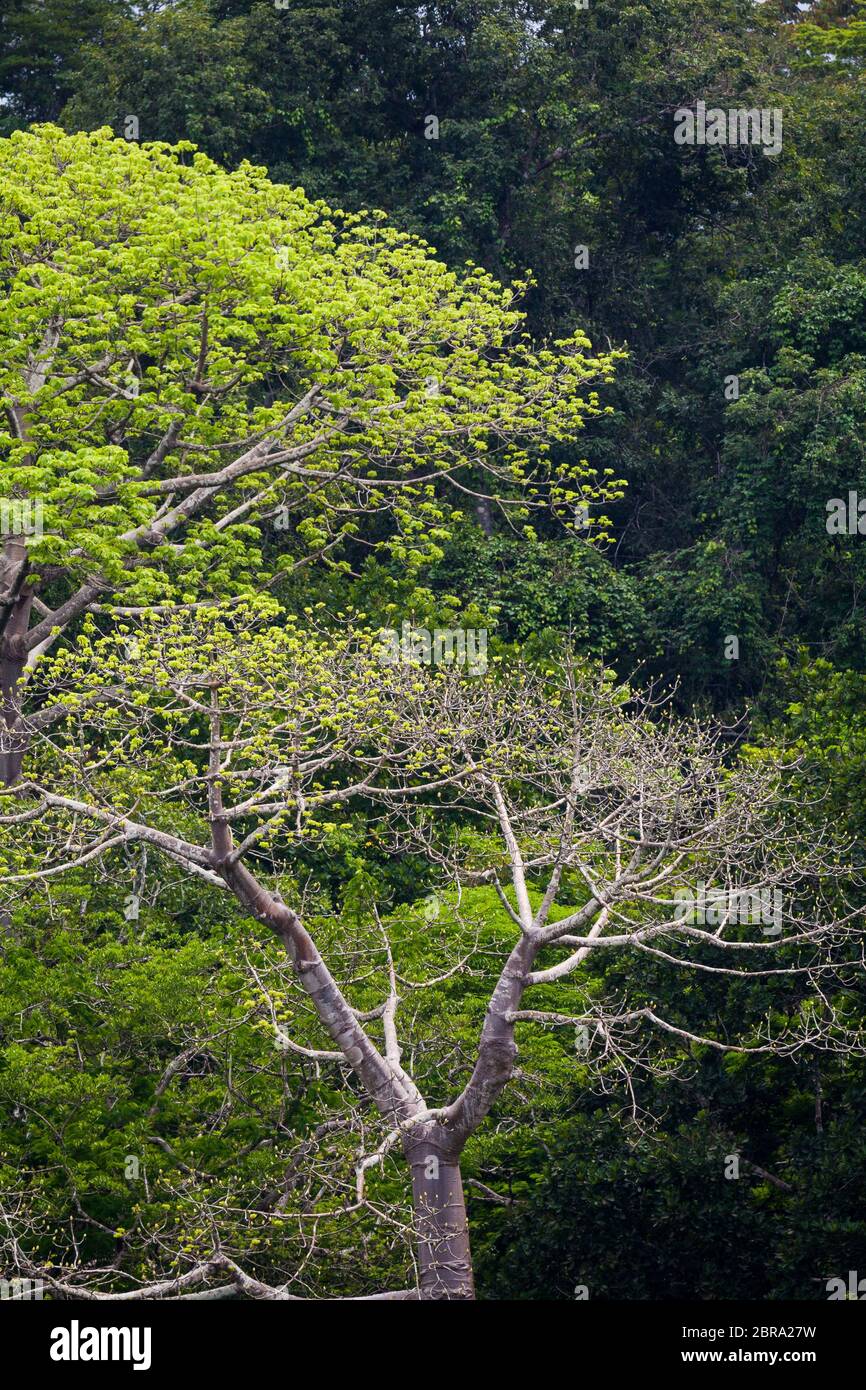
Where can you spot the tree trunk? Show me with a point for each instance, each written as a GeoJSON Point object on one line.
{"type": "Point", "coordinates": [444, 1256]}
{"type": "Point", "coordinates": [15, 605]}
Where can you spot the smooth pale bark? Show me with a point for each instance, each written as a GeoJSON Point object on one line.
{"type": "Point", "coordinates": [395, 1095]}
{"type": "Point", "coordinates": [497, 1049]}
{"type": "Point", "coordinates": [444, 1254]}
{"type": "Point", "coordinates": [432, 1150]}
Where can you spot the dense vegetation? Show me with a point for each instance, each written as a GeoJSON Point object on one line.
{"type": "Point", "coordinates": [708, 511]}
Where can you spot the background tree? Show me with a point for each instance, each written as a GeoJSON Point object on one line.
{"type": "Point", "coordinates": [40, 47]}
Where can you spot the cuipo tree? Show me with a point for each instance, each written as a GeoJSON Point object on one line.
{"type": "Point", "coordinates": [235, 748]}
{"type": "Point", "coordinates": [189, 355]}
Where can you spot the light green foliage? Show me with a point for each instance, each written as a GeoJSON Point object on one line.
{"type": "Point", "coordinates": [165, 320]}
